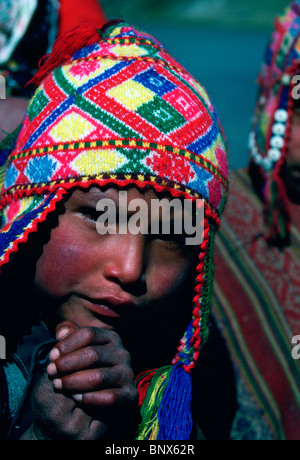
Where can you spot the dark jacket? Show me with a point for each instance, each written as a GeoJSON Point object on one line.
{"type": "Point", "coordinates": [18, 375]}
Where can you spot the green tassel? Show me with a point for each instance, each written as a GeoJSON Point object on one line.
{"type": "Point", "coordinates": [149, 426]}
{"type": "Point", "coordinates": [206, 298]}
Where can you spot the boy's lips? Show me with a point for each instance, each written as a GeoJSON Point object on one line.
{"type": "Point", "coordinates": [110, 307]}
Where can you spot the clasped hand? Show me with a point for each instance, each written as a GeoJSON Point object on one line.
{"type": "Point", "coordinates": [88, 391]}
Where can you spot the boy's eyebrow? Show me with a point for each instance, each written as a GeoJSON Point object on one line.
{"type": "Point", "coordinates": [92, 196]}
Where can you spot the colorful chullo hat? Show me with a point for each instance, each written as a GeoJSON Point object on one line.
{"type": "Point", "coordinates": [113, 107]}
{"type": "Point", "coordinates": [270, 135]}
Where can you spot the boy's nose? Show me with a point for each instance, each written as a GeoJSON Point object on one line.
{"type": "Point", "coordinates": [126, 266]}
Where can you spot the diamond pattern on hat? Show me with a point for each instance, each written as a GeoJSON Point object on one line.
{"type": "Point", "coordinates": [137, 161]}
{"type": "Point", "coordinates": [101, 161]}
{"type": "Point", "coordinates": [183, 103]}
{"type": "Point", "coordinates": [65, 158]}
{"type": "Point", "coordinates": [155, 82]}
{"type": "Point", "coordinates": [161, 114]}
{"type": "Point", "coordinates": [11, 176]}
{"type": "Point", "coordinates": [37, 104]}
{"type": "Point", "coordinates": [174, 167]}
{"type": "Point", "coordinates": [210, 152]}
{"type": "Point", "coordinates": [200, 180]}
{"type": "Point", "coordinates": [41, 169]}
{"type": "Point", "coordinates": [82, 72]}
{"type": "Point", "coordinates": [131, 94]}
{"type": "Point", "coordinates": [205, 141]}
{"type": "Point", "coordinates": [130, 50]}
{"type": "Point", "coordinates": [72, 126]}
{"type": "Point", "coordinates": [12, 210]}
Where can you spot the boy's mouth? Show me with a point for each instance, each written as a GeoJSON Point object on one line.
{"type": "Point", "coordinates": [109, 307]}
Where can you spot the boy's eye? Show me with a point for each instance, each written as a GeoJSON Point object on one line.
{"type": "Point", "coordinates": [173, 244]}
{"type": "Point", "coordinates": [90, 212]}
{"type": "Point", "coordinates": [98, 219]}
{"type": "Point", "coordinates": [170, 241]}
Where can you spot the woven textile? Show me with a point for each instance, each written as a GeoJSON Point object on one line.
{"type": "Point", "coordinates": [257, 298]}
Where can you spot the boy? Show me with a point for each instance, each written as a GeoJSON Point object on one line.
{"type": "Point", "coordinates": [113, 112]}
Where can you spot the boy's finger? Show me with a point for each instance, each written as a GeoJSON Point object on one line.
{"type": "Point", "coordinates": [114, 397]}
{"type": "Point", "coordinates": [83, 337]}
{"type": "Point", "coordinates": [88, 380]}
{"type": "Point", "coordinates": [65, 328]}
{"type": "Point", "coordinates": [62, 330]}
{"type": "Point", "coordinates": [84, 358]}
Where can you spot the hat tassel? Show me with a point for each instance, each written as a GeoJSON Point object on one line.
{"type": "Point", "coordinates": [64, 48]}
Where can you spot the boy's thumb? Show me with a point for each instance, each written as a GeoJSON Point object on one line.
{"type": "Point", "coordinates": [65, 328]}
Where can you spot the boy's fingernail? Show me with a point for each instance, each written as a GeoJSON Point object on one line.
{"type": "Point", "coordinates": [62, 333]}
{"type": "Point", "coordinates": [51, 369]}
{"type": "Point", "coordinates": [57, 383]}
{"type": "Point", "coordinates": [77, 397]}
{"type": "Point", "coordinates": [54, 354]}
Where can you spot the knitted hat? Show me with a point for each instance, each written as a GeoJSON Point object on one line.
{"type": "Point", "coordinates": [113, 107]}
{"type": "Point", "coordinates": [270, 134]}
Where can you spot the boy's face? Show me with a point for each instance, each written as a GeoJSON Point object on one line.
{"type": "Point", "coordinates": [114, 280]}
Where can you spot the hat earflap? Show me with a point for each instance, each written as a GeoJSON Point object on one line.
{"type": "Point", "coordinates": [165, 394]}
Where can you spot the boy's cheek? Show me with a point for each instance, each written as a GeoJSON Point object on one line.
{"type": "Point", "coordinates": [166, 280]}
{"type": "Point", "coordinates": [59, 268]}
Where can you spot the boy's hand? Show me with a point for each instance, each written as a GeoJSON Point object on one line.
{"type": "Point", "coordinates": [92, 365]}
{"type": "Point", "coordinates": [92, 394]}
{"type": "Point", "coordinates": [56, 416]}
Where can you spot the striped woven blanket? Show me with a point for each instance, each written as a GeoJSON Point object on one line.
{"type": "Point", "coordinates": [257, 307]}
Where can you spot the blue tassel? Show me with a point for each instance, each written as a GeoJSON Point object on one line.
{"type": "Point", "coordinates": [174, 413]}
